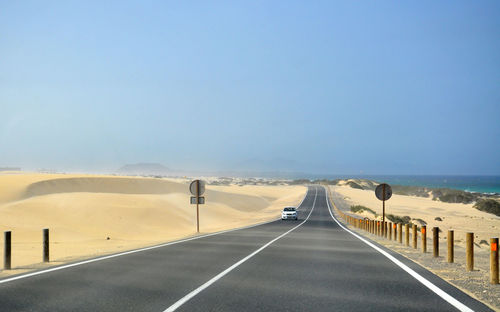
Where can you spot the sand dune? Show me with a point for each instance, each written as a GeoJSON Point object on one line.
{"type": "Point", "coordinates": [83, 211]}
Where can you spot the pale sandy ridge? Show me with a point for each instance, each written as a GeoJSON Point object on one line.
{"type": "Point", "coordinates": [83, 211]}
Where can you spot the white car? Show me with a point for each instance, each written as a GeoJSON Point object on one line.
{"type": "Point", "coordinates": [289, 213]}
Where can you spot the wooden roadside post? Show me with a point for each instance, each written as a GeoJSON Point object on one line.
{"type": "Point", "coordinates": [400, 233]}
{"type": "Point", "coordinates": [395, 226]}
{"type": "Point", "coordinates": [435, 242]}
{"type": "Point", "coordinates": [423, 230]}
{"type": "Point", "coordinates": [7, 250]}
{"type": "Point", "coordinates": [414, 230]}
{"type": "Point", "coordinates": [46, 245]}
{"type": "Point", "coordinates": [385, 229]}
{"type": "Point", "coordinates": [407, 234]}
{"type": "Point", "coordinates": [469, 251]}
{"type": "Point", "coordinates": [494, 260]}
{"type": "Point", "coordinates": [390, 230]}
{"type": "Point", "coordinates": [451, 247]}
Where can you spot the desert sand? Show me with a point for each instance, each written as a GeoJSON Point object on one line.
{"type": "Point", "coordinates": [461, 218]}
{"type": "Point", "coordinates": [91, 215]}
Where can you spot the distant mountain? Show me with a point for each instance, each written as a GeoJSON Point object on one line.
{"type": "Point", "coordinates": [144, 169]}
{"type": "Point", "coordinates": [10, 169]}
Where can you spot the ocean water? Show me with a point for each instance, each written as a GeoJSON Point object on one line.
{"type": "Point", "coordinates": [480, 184]}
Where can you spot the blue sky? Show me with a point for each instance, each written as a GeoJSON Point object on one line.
{"type": "Point", "coordinates": [382, 87]}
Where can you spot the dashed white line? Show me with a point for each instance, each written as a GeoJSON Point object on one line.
{"type": "Point", "coordinates": [438, 291]}
{"type": "Point", "coordinates": [193, 293]}
{"type": "Point", "coordinates": [134, 251]}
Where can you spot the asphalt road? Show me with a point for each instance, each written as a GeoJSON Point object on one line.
{"type": "Point", "coordinates": [312, 264]}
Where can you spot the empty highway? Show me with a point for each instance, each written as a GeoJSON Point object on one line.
{"type": "Point", "coordinates": [313, 264]}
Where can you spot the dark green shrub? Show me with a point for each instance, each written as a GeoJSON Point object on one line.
{"type": "Point", "coordinates": [488, 205]}
{"type": "Point", "coordinates": [354, 185]}
{"type": "Point", "coordinates": [398, 219]}
{"type": "Point", "coordinates": [360, 209]}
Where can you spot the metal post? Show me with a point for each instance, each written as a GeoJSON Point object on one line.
{"type": "Point", "coordinates": [407, 234]}
{"type": "Point", "coordinates": [435, 242]}
{"type": "Point", "coordinates": [414, 230]}
{"type": "Point", "coordinates": [494, 260]}
{"type": "Point", "coordinates": [423, 230]}
{"type": "Point", "coordinates": [197, 206]}
{"type": "Point", "coordinates": [383, 203]}
{"type": "Point", "coordinates": [7, 250]}
{"type": "Point", "coordinates": [469, 251]}
{"type": "Point", "coordinates": [451, 247]}
{"type": "Point", "coordinates": [45, 245]}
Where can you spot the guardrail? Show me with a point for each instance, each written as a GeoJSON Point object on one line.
{"type": "Point", "coordinates": [386, 229]}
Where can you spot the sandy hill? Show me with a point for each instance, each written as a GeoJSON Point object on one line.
{"type": "Point", "coordinates": [82, 211]}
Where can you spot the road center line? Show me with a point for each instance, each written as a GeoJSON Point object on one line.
{"type": "Point", "coordinates": [187, 297]}
{"type": "Point", "coordinates": [438, 291]}
{"type": "Point", "coordinates": [66, 266]}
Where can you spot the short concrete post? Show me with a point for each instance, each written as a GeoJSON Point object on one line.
{"type": "Point", "coordinates": [395, 226]}
{"type": "Point", "coordinates": [7, 250]}
{"type": "Point", "coordinates": [435, 242]}
{"type": "Point", "coordinates": [414, 230]}
{"type": "Point", "coordinates": [45, 245]}
{"type": "Point", "coordinates": [451, 251]}
{"type": "Point", "coordinates": [494, 260]}
{"type": "Point", "coordinates": [407, 235]}
{"type": "Point", "coordinates": [469, 251]}
{"type": "Point", "coordinates": [423, 230]}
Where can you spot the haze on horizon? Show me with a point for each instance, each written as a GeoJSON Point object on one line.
{"type": "Point", "coordinates": [322, 87]}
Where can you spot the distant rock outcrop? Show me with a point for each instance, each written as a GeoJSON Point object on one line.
{"type": "Point", "coordinates": [144, 169]}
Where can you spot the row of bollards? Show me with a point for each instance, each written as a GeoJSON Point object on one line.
{"type": "Point", "coordinates": [393, 231]}
{"type": "Point", "coordinates": [7, 255]}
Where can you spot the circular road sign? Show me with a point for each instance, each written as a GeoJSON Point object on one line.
{"type": "Point", "coordinates": [201, 187]}
{"type": "Point", "coordinates": [383, 191]}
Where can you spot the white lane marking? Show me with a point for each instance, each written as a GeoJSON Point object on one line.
{"type": "Point", "coordinates": [136, 250]}
{"type": "Point", "coordinates": [438, 291]}
{"type": "Point", "coordinates": [187, 297]}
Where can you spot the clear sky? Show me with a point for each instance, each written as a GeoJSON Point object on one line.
{"type": "Point", "coordinates": [379, 87]}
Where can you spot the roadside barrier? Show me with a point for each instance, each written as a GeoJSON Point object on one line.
{"type": "Point", "coordinates": [451, 251]}
{"type": "Point", "coordinates": [7, 251]}
{"type": "Point", "coordinates": [414, 229]}
{"type": "Point", "coordinates": [494, 260]}
{"type": "Point", "coordinates": [423, 231]}
{"type": "Point", "coordinates": [407, 235]}
{"type": "Point", "coordinates": [435, 242]}
{"type": "Point", "coordinates": [469, 251]}
{"type": "Point", "coordinates": [385, 230]}
{"type": "Point", "coordinates": [400, 233]}
{"type": "Point", "coordinates": [45, 245]}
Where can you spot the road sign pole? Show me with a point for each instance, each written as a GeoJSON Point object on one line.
{"type": "Point", "coordinates": [197, 206]}
{"type": "Point", "coordinates": [383, 202]}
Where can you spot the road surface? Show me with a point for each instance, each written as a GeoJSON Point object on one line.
{"type": "Point", "coordinates": [312, 264]}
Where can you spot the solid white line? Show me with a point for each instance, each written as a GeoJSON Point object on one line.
{"type": "Point", "coordinates": [186, 298]}
{"type": "Point", "coordinates": [438, 291]}
{"type": "Point", "coordinates": [135, 251]}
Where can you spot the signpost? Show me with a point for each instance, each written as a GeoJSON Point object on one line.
{"type": "Point", "coordinates": [383, 192]}
{"type": "Point", "coordinates": [197, 188]}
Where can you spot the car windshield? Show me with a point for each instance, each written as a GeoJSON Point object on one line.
{"type": "Point", "coordinates": [289, 209]}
